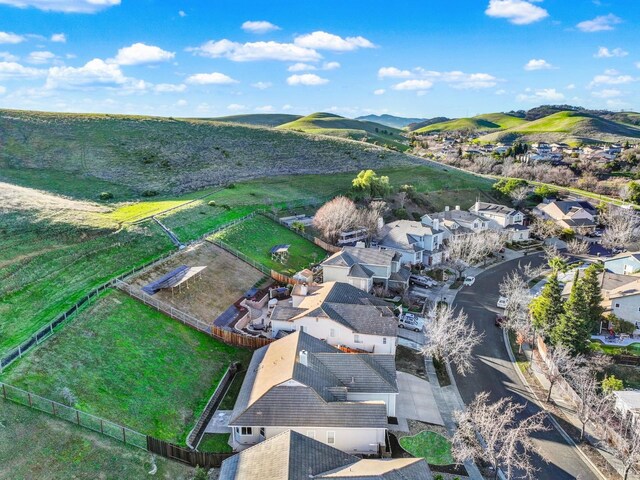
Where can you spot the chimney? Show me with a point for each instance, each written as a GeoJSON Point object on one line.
{"type": "Point", "coordinates": [304, 290]}
{"type": "Point", "coordinates": [303, 357]}
{"type": "Point", "coordinates": [446, 209]}
{"type": "Point", "coordinates": [457, 207]}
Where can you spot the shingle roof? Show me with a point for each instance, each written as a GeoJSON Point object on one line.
{"type": "Point", "coordinates": [293, 456]}
{"type": "Point", "coordinates": [493, 208]}
{"type": "Point", "coordinates": [360, 271]}
{"type": "Point", "coordinates": [280, 390]}
{"type": "Point", "coordinates": [368, 256]}
{"type": "Point", "coordinates": [404, 234]}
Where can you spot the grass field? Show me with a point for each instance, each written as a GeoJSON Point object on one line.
{"type": "Point", "coordinates": [633, 349]}
{"type": "Point", "coordinates": [486, 122]}
{"type": "Point", "coordinates": [229, 400]}
{"type": "Point", "coordinates": [36, 445]}
{"type": "Point", "coordinates": [215, 443]}
{"type": "Point", "coordinates": [431, 446]}
{"type": "Point", "coordinates": [256, 236]}
{"type": "Point", "coordinates": [130, 364]}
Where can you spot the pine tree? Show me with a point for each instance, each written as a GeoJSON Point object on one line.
{"type": "Point", "coordinates": [593, 296]}
{"type": "Point", "coordinates": [547, 308]}
{"type": "Point", "coordinates": [572, 329]}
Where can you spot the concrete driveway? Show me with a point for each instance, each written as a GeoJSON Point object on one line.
{"type": "Point", "coordinates": [415, 400]}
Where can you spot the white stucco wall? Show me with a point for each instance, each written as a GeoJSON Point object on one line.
{"type": "Point", "coordinates": [388, 398]}
{"type": "Point", "coordinates": [349, 440]}
{"type": "Point", "coordinates": [627, 308]}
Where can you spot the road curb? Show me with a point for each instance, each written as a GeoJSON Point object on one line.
{"type": "Point", "coordinates": [540, 404]}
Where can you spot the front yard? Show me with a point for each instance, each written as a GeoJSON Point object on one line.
{"type": "Point", "coordinates": [431, 446]}
{"type": "Point", "coordinates": [130, 364]}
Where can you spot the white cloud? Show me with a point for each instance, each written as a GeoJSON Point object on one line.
{"type": "Point", "coordinates": [320, 40]}
{"type": "Point", "coordinates": [254, 51]}
{"type": "Point", "coordinates": [15, 70]}
{"type": "Point", "coordinates": [611, 78]}
{"type": "Point", "coordinates": [3, 90]}
{"type": "Point", "coordinates": [393, 72]}
{"type": "Point", "coordinates": [306, 79]}
{"type": "Point", "coordinates": [8, 57]}
{"type": "Point", "coordinates": [13, 38]}
{"type": "Point", "coordinates": [214, 78]}
{"type": "Point", "coordinates": [59, 38]}
{"type": "Point", "coordinates": [170, 88]}
{"type": "Point", "coordinates": [501, 91]}
{"type": "Point", "coordinates": [68, 6]}
{"type": "Point", "coordinates": [287, 107]}
{"type": "Point", "coordinates": [301, 67]}
{"type": "Point", "coordinates": [181, 103]}
{"type": "Point", "coordinates": [545, 94]}
{"type": "Point", "coordinates": [265, 109]}
{"type": "Point", "coordinates": [379, 91]}
{"type": "Point", "coordinates": [518, 12]}
{"type": "Point", "coordinates": [140, 53]}
{"type": "Point", "coordinates": [602, 23]}
{"type": "Point", "coordinates": [415, 84]}
{"type": "Point", "coordinates": [571, 86]}
{"type": "Point", "coordinates": [235, 107]}
{"type": "Point", "coordinates": [262, 85]}
{"type": "Point", "coordinates": [537, 64]}
{"type": "Point", "coordinates": [182, 13]}
{"type": "Point", "coordinates": [41, 57]}
{"type": "Point", "coordinates": [330, 65]}
{"type": "Point", "coordinates": [604, 52]}
{"type": "Point", "coordinates": [260, 26]}
{"type": "Point", "coordinates": [607, 93]}
{"type": "Point", "coordinates": [94, 72]}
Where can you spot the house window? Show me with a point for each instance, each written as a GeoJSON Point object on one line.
{"type": "Point", "coordinates": [356, 338]}
{"type": "Point", "coordinates": [262, 432]}
{"type": "Point", "coordinates": [311, 434]}
{"type": "Point", "coordinates": [246, 431]}
{"type": "Point", "coordinates": [384, 340]}
{"type": "Point", "coordinates": [331, 438]}
{"type": "Point", "coordinates": [332, 332]}
{"type": "Point", "coordinates": [617, 305]}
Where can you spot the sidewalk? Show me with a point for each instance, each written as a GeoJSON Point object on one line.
{"type": "Point", "coordinates": [568, 411]}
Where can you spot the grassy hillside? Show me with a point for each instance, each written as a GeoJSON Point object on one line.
{"type": "Point", "coordinates": [128, 155]}
{"type": "Point", "coordinates": [337, 126]}
{"type": "Point", "coordinates": [390, 120]}
{"type": "Point", "coordinates": [479, 123]}
{"type": "Point", "coordinates": [259, 119]}
{"type": "Point", "coordinates": [570, 127]}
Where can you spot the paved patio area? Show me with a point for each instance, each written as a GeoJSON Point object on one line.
{"type": "Point", "coordinates": [416, 401]}
{"type": "Point", "coordinates": [219, 423]}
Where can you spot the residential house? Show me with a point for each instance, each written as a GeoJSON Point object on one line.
{"type": "Point", "coordinates": [363, 267]}
{"type": "Point", "coordinates": [303, 384]}
{"type": "Point", "coordinates": [455, 222]}
{"type": "Point", "coordinates": [294, 456]}
{"type": "Point", "coordinates": [577, 215]}
{"type": "Point", "coordinates": [624, 265]}
{"type": "Point", "coordinates": [501, 217]}
{"type": "Point", "coordinates": [340, 314]}
{"type": "Point", "coordinates": [627, 402]}
{"type": "Point", "coordinates": [414, 241]}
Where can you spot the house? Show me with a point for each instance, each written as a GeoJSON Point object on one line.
{"type": "Point", "coordinates": [351, 237]}
{"type": "Point", "coordinates": [627, 402]}
{"type": "Point", "coordinates": [414, 241]}
{"type": "Point", "coordinates": [625, 265]}
{"type": "Point", "coordinates": [362, 267]}
{"type": "Point", "coordinates": [501, 217]}
{"type": "Point", "coordinates": [294, 456]}
{"type": "Point", "coordinates": [577, 215]}
{"type": "Point", "coordinates": [455, 222]}
{"type": "Point", "coordinates": [341, 315]}
{"type": "Point", "coordinates": [303, 384]}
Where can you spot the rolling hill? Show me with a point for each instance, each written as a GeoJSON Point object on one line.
{"type": "Point", "coordinates": [131, 156]}
{"type": "Point", "coordinates": [480, 123]}
{"type": "Point", "coordinates": [570, 127]}
{"type": "Point", "coordinates": [390, 120]}
{"type": "Point", "coordinates": [336, 126]}
{"type": "Point", "coordinates": [259, 119]}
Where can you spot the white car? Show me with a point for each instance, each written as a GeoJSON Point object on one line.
{"type": "Point", "coordinates": [468, 281]}
{"type": "Point", "coordinates": [502, 302]}
{"type": "Point", "coordinates": [411, 322]}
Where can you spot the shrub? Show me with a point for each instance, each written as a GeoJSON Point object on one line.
{"type": "Point", "coordinates": [68, 396]}
{"type": "Point", "coordinates": [231, 185]}
{"type": "Point", "coordinates": [149, 193]}
{"type": "Point", "coordinates": [619, 325]}
{"type": "Point", "coordinates": [226, 206]}
{"type": "Point", "coordinates": [416, 215]}
{"type": "Point", "coordinates": [612, 384]}
{"type": "Point", "coordinates": [212, 203]}
{"type": "Point", "coordinates": [106, 195]}
{"type": "Point", "coordinates": [401, 214]}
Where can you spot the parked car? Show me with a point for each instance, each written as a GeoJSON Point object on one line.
{"type": "Point", "coordinates": [411, 322]}
{"type": "Point", "coordinates": [500, 320]}
{"type": "Point", "coordinates": [422, 281]}
{"type": "Point", "coordinates": [502, 302]}
{"type": "Point", "coordinates": [468, 281]}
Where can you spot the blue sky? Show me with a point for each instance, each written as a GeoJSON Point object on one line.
{"type": "Point", "coordinates": [221, 57]}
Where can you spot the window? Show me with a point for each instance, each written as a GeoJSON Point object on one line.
{"type": "Point", "coordinates": [311, 434]}
{"type": "Point", "coordinates": [246, 431]}
{"type": "Point", "coordinates": [332, 332]}
{"type": "Point", "coordinates": [384, 340]}
{"type": "Point", "coordinates": [262, 431]}
{"type": "Point", "coordinates": [617, 305]}
{"type": "Point", "coordinates": [331, 438]}
{"type": "Point", "coordinates": [356, 338]}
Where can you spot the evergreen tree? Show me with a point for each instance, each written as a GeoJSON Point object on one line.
{"type": "Point", "coordinates": [593, 296]}
{"type": "Point", "coordinates": [547, 308]}
{"type": "Point", "coordinates": [572, 329]}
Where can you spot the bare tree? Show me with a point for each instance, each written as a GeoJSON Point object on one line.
{"type": "Point", "coordinates": [468, 249]}
{"type": "Point", "coordinates": [519, 195]}
{"type": "Point", "coordinates": [629, 448]}
{"type": "Point", "coordinates": [591, 399]}
{"type": "Point", "coordinates": [489, 430]}
{"type": "Point", "coordinates": [622, 226]}
{"type": "Point", "coordinates": [577, 247]}
{"type": "Point", "coordinates": [516, 290]}
{"type": "Point", "coordinates": [336, 216]}
{"type": "Point", "coordinates": [560, 363]}
{"type": "Point", "coordinates": [544, 228]}
{"type": "Point", "coordinates": [449, 337]}
{"type": "Point", "coordinates": [369, 216]}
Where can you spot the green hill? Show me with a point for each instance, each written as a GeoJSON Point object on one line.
{"type": "Point", "coordinates": [322, 123]}
{"type": "Point", "coordinates": [570, 127]}
{"type": "Point", "coordinates": [130, 155]}
{"type": "Point", "coordinates": [390, 120]}
{"type": "Point", "coordinates": [259, 119]}
{"type": "Point", "coordinates": [479, 123]}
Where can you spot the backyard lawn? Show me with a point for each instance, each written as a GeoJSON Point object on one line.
{"type": "Point", "coordinates": [130, 364]}
{"type": "Point", "coordinates": [256, 236]}
{"type": "Point", "coordinates": [215, 443]}
{"type": "Point", "coordinates": [633, 349]}
{"type": "Point", "coordinates": [431, 446]}
{"type": "Point", "coordinates": [36, 445]}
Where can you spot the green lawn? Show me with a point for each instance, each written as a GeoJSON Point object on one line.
{"type": "Point", "coordinates": [129, 364]}
{"type": "Point", "coordinates": [630, 375]}
{"type": "Point", "coordinates": [633, 349]}
{"type": "Point", "coordinates": [255, 237]}
{"type": "Point", "coordinates": [431, 446]}
{"type": "Point", "coordinates": [215, 443]}
{"type": "Point", "coordinates": [36, 445]}
{"type": "Point", "coordinates": [229, 400]}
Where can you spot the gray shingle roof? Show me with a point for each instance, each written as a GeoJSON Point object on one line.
{"type": "Point", "coordinates": [360, 271]}
{"type": "Point", "coordinates": [493, 208]}
{"type": "Point", "coordinates": [404, 234]}
{"type": "Point", "coordinates": [349, 256]}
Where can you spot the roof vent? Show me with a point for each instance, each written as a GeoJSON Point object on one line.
{"type": "Point", "coordinates": [446, 209]}
{"type": "Point", "coordinates": [457, 207]}
{"type": "Point", "coordinates": [303, 358]}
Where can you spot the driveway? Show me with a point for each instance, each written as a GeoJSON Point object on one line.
{"type": "Point", "coordinates": [415, 400]}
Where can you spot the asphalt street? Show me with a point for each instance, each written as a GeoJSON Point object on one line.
{"type": "Point", "coordinates": [494, 373]}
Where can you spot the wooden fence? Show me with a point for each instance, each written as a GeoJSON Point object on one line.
{"type": "Point", "coordinates": [237, 339]}
{"type": "Point", "coordinates": [184, 455]}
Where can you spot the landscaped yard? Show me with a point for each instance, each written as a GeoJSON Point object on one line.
{"type": "Point", "coordinates": [129, 364]}
{"type": "Point", "coordinates": [215, 443]}
{"type": "Point", "coordinates": [431, 446]}
{"type": "Point", "coordinates": [36, 445]}
{"type": "Point", "coordinates": [633, 349]}
{"type": "Point", "coordinates": [229, 400]}
{"type": "Point", "coordinates": [256, 236]}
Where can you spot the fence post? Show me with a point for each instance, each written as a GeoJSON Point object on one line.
{"type": "Point", "coordinates": [29, 397]}
{"type": "Point", "coordinates": [53, 407]}
{"type": "Point", "coordinates": [4, 391]}
{"type": "Point", "coordinates": [78, 416]}
{"type": "Point", "coordinates": [101, 427]}
{"type": "Point", "coordinates": [124, 436]}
